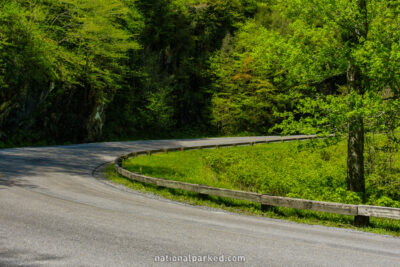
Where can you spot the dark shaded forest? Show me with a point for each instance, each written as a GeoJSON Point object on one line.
{"type": "Point", "coordinates": [82, 71]}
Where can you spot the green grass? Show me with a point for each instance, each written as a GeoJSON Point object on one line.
{"type": "Point", "coordinates": [310, 170]}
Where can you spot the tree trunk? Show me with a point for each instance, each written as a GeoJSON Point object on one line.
{"type": "Point", "coordinates": [356, 85]}
{"type": "Point", "coordinates": [355, 149]}
{"type": "Point", "coordinates": [355, 156]}
{"type": "Point", "coordinates": [355, 145]}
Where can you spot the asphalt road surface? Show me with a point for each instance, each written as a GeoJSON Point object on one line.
{"type": "Point", "coordinates": [54, 212]}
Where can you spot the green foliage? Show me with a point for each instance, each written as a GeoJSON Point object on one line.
{"type": "Point", "coordinates": [302, 51]}
{"type": "Point", "coordinates": [325, 39]}
{"type": "Point", "coordinates": [169, 90]}
{"type": "Point", "coordinates": [62, 62]}
{"type": "Point", "coordinates": [382, 168]}
{"type": "Point", "coordinates": [24, 56]}
{"type": "Point", "coordinates": [248, 81]}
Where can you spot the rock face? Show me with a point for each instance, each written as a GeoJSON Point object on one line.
{"type": "Point", "coordinates": [29, 114]}
{"type": "Point", "coordinates": [19, 109]}
{"type": "Point", "coordinates": [96, 122]}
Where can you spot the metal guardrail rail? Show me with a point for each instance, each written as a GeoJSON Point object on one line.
{"type": "Point", "coordinates": [266, 201]}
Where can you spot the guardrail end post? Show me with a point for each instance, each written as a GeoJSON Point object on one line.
{"type": "Point", "coordinates": [361, 221]}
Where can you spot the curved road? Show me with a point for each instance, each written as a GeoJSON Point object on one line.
{"type": "Point", "coordinates": [53, 212]}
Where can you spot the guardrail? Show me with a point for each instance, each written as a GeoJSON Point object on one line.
{"type": "Point", "coordinates": [361, 212]}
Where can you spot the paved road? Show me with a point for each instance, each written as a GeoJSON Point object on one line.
{"type": "Point", "coordinates": [53, 212]}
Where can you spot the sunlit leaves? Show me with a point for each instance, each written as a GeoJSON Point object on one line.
{"type": "Point", "coordinates": [246, 73]}
{"type": "Point", "coordinates": [325, 37]}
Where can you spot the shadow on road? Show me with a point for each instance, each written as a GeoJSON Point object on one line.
{"type": "Point", "coordinates": [21, 166]}
{"type": "Point", "coordinates": [19, 163]}
{"type": "Point", "coordinates": [12, 257]}
{"type": "Point", "coordinates": [15, 183]}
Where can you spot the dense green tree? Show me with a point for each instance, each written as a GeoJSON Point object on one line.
{"type": "Point", "coordinates": [248, 86]}
{"type": "Point", "coordinates": [62, 62]}
{"type": "Point", "coordinates": [101, 44]}
{"type": "Point", "coordinates": [27, 65]}
{"type": "Point", "coordinates": [355, 38]}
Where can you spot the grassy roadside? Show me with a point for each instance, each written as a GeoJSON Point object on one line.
{"type": "Point", "coordinates": [307, 170]}
{"type": "Point", "coordinates": [378, 225]}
